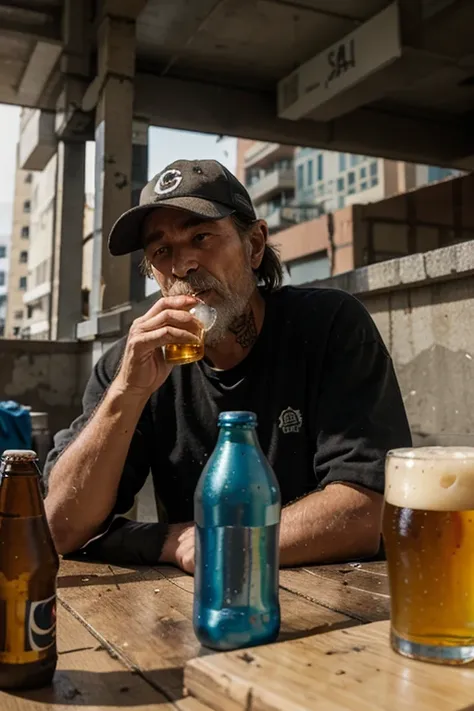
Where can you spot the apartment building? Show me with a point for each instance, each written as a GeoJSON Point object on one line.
{"type": "Point", "coordinates": [4, 244]}
{"type": "Point", "coordinates": [19, 248]}
{"type": "Point", "coordinates": [269, 175]}
{"type": "Point", "coordinates": [37, 297]}
{"type": "Point", "coordinates": [301, 208]}
{"type": "Point", "coordinates": [333, 180]}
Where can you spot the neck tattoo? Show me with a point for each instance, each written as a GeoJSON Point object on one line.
{"type": "Point", "coordinates": [245, 329]}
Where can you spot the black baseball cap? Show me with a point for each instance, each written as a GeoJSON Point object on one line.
{"type": "Point", "coordinates": [203, 187]}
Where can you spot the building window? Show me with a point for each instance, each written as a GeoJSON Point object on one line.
{"type": "Point", "coordinates": [3, 251]}
{"type": "Point", "coordinates": [342, 162]}
{"type": "Point", "coordinates": [363, 173]}
{"type": "Point", "coordinates": [340, 185]}
{"type": "Point", "coordinates": [25, 231]}
{"type": "Point", "coordinates": [28, 177]}
{"type": "Point", "coordinates": [351, 178]}
{"type": "Point", "coordinates": [320, 166]}
{"type": "Point", "coordinates": [16, 331]}
{"type": "Point", "coordinates": [373, 182]}
{"type": "Point", "coordinates": [354, 160]}
{"type": "Point", "coordinates": [373, 169]}
{"type": "Point", "coordinates": [321, 189]}
{"type": "Point", "coordinates": [363, 185]}
{"type": "Point", "coordinates": [299, 177]}
{"type": "Point", "coordinates": [310, 173]}
{"type": "Point", "coordinates": [2, 278]}
{"type": "Point", "coordinates": [22, 283]}
{"type": "Point", "coordinates": [340, 201]}
{"type": "Point", "coordinates": [18, 314]}
{"type": "Point", "coordinates": [29, 311]}
{"type": "Point", "coordinates": [23, 257]}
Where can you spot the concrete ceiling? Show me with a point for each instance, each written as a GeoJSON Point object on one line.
{"type": "Point", "coordinates": [214, 65]}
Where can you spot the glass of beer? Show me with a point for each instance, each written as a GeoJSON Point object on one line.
{"type": "Point", "coordinates": [428, 530]}
{"type": "Point", "coordinates": [182, 353]}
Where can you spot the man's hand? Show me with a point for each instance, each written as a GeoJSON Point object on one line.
{"type": "Point", "coordinates": [178, 548]}
{"type": "Point", "coordinates": [143, 369]}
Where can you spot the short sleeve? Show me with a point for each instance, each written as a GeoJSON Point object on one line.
{"type": "Point", "coordinates": [361, 414]}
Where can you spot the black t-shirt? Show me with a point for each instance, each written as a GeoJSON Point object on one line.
{"type": "Point", "coordinates": [325, 393]}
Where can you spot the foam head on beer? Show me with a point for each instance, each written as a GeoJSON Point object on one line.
{"type": "Point", "coordinates": [431, 478]}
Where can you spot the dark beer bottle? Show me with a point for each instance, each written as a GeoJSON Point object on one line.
{"type": "Point", "coordinates": [28, 570]}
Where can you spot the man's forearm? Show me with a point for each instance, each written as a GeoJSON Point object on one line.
{"type": "Point", "coordinates": [337, 523]}
{"type": "Point", "coordinates": [83, 483]}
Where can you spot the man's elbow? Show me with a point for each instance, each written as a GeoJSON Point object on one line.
{"type": "Point", "coordinates": [66, 537]}
{"type": "Point", "coordinates": [368, 528]}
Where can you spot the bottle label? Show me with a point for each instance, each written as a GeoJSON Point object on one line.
{"type": "Point", "coordinates": [27, 629]}
{"type": "Point", "coordinates": [40, 624]}
{"type": "Point", "coordinates": [237, 566]}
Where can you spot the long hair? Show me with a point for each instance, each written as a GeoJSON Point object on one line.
{"type": "Point", "coordinates": [270, 271]}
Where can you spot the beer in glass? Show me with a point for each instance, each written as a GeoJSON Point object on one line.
{"type": "Point", "coordinates": [428, 530]}
{"type": "Point", "coordinates": [28, 569]}
{"type": "Point", "coordinates": [183, 353]}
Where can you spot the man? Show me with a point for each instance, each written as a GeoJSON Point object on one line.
{"type": "Point", "coordinates": [309, 362]}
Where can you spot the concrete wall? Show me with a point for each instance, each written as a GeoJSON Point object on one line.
{"type": "Point", "coordinates": [424, 307]}
{"type": "Point", "coordinates": [49, 377]}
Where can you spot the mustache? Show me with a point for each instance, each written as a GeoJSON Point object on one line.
{"type": "Point", "coordinates": [194, 283]}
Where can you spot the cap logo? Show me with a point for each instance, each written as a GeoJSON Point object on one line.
{"type": "Point", "coordinates": [168, 181]}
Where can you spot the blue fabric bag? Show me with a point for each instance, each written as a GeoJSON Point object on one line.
{"type": "Point", "coordinates": [15, 426]}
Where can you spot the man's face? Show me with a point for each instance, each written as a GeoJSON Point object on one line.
{"type": "Point", "coordinates": [207, 259]}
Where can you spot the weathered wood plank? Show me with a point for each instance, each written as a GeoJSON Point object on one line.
{"type": "Point", "coordinates": [87, 677]}
{"type": "Point", "coordinates": [145, 615]}
{"type": "Point", "coordinates": [357, 577]}
{"type": "Point", "coordinates": [346, 670]}
{"type": "Point", "coordinates": [338, 594]}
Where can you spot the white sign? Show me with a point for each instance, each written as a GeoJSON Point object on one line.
{"type": "Point", "coordinates": [367, 50]}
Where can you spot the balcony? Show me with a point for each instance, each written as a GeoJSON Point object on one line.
{"type": "Point", "coordinates": [37, 293]}
{"type": "Point", "coordinates": [262, 153]}
{"type": "Point", "coordinates": [275, 182]}
{"type": "Point", "coordinates": [37, 140]}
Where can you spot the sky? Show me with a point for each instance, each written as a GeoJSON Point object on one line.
{"type": "Point", "coordinates": [165, 146]}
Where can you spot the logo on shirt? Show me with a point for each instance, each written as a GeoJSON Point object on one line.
{"type": "Point", "coordinates": [290, 420]}
{"type": "Point", "coordinates": [168, 181]}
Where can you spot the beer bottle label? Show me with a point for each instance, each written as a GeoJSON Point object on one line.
{"type": "Point", "coordinates": [40, 624]}
{"type": "Point", "coordinates": [27, 629]}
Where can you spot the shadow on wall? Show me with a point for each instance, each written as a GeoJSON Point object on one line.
{"type": "Point", "coordinates": [438, 391]}
{"type": "Point", "coordinates": [47, 376]}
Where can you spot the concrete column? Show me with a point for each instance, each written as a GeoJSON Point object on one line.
{"type": "Point", "coordinates": [66, 295]}
{"type": "Point", "coordinates": [139, 179]}
{"type": "Point", "coordinates": [113, 137]}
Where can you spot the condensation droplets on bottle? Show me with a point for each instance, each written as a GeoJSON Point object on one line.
{"type": "Point", "coordinates": [237, 507]}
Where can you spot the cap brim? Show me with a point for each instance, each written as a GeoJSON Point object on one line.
{"type": "Point", "coordinates": [126, 235]}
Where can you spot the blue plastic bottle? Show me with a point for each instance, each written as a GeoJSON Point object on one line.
{"type": "Point", "coordinates": [237, 507]}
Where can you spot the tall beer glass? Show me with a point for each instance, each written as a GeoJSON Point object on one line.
{"type": "Point", "coordinates": [428, 530]}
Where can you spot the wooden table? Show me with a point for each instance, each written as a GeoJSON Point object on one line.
{"type": "Point", "coordinates": [125, 635]}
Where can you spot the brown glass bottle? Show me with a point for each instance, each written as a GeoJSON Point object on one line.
{"type": "Point", "coordinates": [28, 571]}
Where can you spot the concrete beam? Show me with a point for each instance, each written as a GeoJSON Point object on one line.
{"type": "Point", "coordinates": [66, 306]}
{"type": "Point", "coordinates": [40, 65]}
{"type": "Point", "coordinates": [166, 101]}
{"type": "Point", "coordinates": [50, 30]}
{"type": "Point", "coordinates": [113, 139]}
{"type": "Point", "coordinates": [122, 8]}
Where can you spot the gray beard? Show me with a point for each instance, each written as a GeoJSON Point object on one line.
{"type": "Point", "coordinates": [232, 306]}
{"type": "Point", "coordinates": [227, 313]}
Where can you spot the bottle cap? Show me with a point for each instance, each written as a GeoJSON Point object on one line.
{"type": "Point", "coordinates": [19, 455]}
{"type": "Point", "coordinates": [237, 417]}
